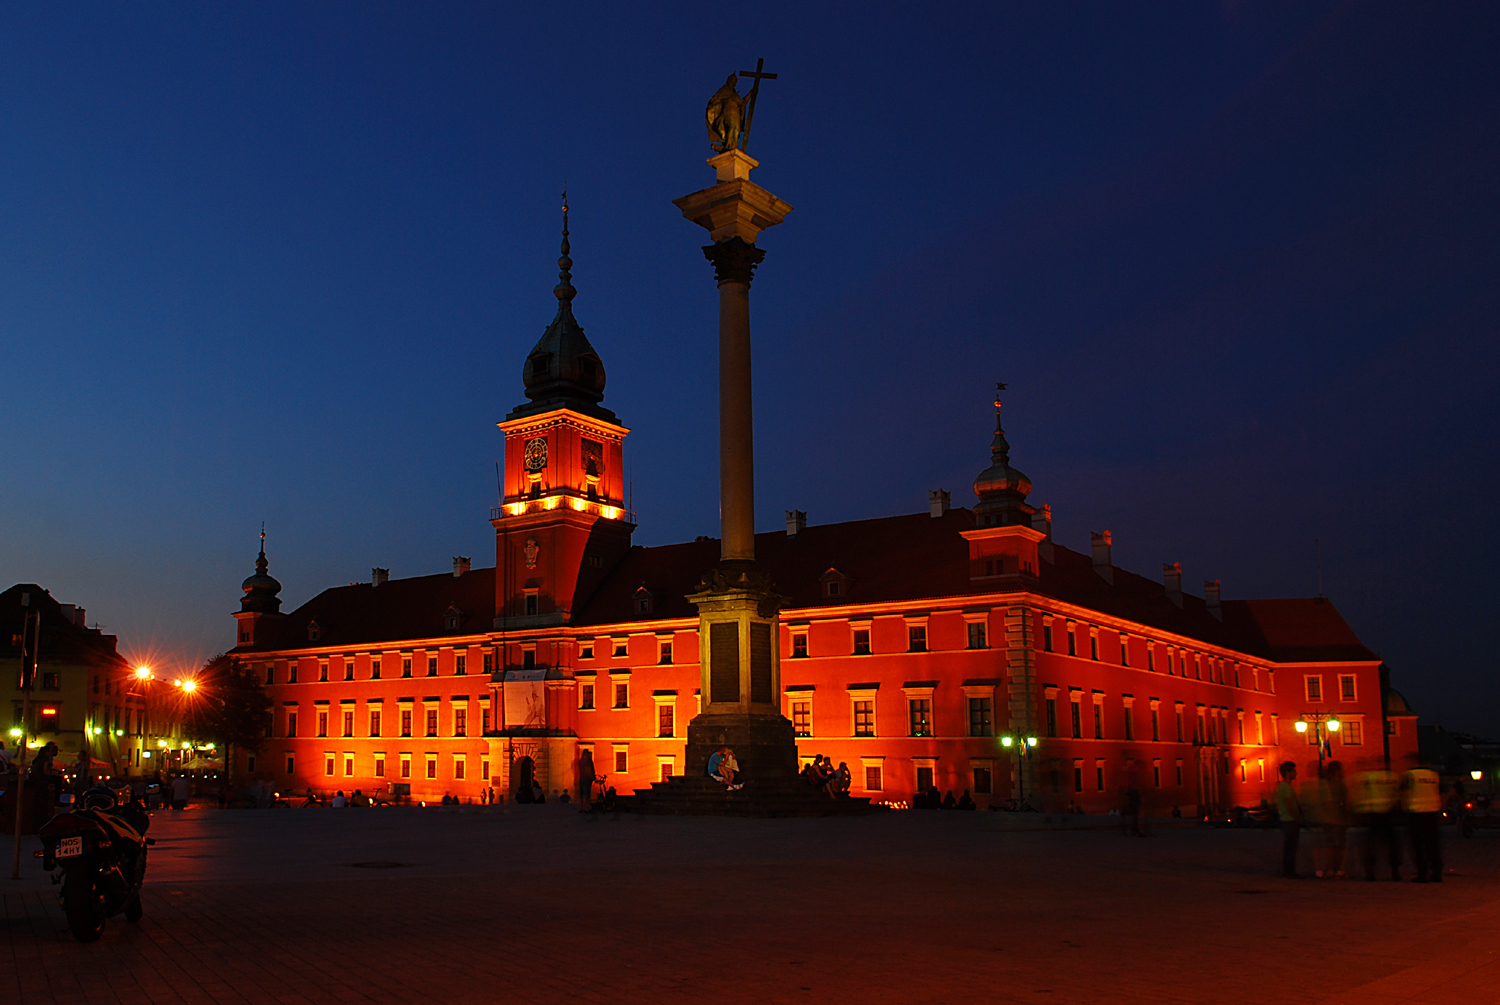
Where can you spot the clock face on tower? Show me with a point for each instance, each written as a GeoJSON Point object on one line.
{"type": "Point", "coordinates": [536, 454]}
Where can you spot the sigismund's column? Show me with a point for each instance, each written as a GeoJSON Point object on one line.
{"type": "Point", "coordinates": [738, 629]}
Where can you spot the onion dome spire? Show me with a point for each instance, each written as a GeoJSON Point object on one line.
{"type": "Point", "coordinates": [1002, 490]}
{"type": "Point", "coordinates": [564, 290]}
{"type": "Point", "coordinates": [563, 370]}
{"type": "Point", "coordinates": [261, 589]}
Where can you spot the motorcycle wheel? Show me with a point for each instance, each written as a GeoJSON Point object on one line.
{"type": "Point", "coordinates": [133, 910]}
{"type": "Point", "coordinates": [83, 907]}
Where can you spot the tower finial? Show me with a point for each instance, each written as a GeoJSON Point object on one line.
{"type": "Point", "coordinates": [999, 448]}
{"type": "Point", "coordinates": [564, 290]}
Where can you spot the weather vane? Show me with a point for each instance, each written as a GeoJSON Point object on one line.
{"type": "Point", "coordinates": [729, 114]}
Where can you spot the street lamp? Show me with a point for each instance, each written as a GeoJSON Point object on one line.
{"type": "Point", "coordinates": [1476, 774]}
{"type": "Point", "coordinates": [1023, 752]}
{"type": "Point", "coordinates": [1319, 722]}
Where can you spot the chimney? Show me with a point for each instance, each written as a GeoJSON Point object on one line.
{"type": "Point", "coordinates": [1042, 520]}
{"type": "Point", "coordinates": [1103, 563]}
{"type": "Point", "coordinates": [796, 522]}
{"type": "Point", "coordinates": [80, 617]}
{"type": "Point", "coordinates": [1171, 575]}
{"type": "Point", "coordinates": [1211, 598]}
{"type": "Point", "coordinates": [378, 576]}
{"type": "Point", "coordinates": [938, 501]}
{"type": "Point", "coordinates": [460, 565]}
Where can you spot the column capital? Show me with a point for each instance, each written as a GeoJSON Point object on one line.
{"type": "Point", "coordinates": [734, 260]}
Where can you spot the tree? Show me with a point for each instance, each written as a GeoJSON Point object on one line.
{"type": "Point", "coordinates": [228, 705]}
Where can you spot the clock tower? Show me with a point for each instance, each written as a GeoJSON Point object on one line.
{"type": "Point", "coordinates": [562, 522]}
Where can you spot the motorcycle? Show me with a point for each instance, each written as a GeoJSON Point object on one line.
{"type": "Point", "coordinates": [99, 852]}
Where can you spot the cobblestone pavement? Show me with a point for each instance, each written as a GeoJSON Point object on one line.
{"type": "Point", "coordinates": [542, 904]}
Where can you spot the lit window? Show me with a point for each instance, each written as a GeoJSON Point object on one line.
{"type": "Point", "coordinates": [1314, 687]}
{"type": "Point", "coordinates": [405, 765]}
{"type": "Point", "coordinates": [379, 765]}
{"type": "Point", "coordinates": [664, 719]}
{"type": "Point", "coordinates": [872, 778]}
{"type": "Point", "coordinates": [459, 764]}
{"type": "Point", "coordinates": [622, 696]}
{"type": "Point", "coordinates": [348, 765]}
{"type": "Point", "coordinates": [920, 710]}
{"type": "Point", "coordinates": [328, 765]}
{"type": "Point", "coordinates": [1353, 732]}
{"type": "Point", "coordinates": [1346, 687]}
{"type": "Point", "coordinates": [431, 766]}
{"type": "Point", "coordinates": [622, 761]}
{"type": "Point", "coordinates": [802, 718]}
{"type": "Point", "coordinates": [864, 717]}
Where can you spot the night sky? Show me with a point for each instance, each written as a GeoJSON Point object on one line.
{"type": "Point", "coordinates": [282, 263]}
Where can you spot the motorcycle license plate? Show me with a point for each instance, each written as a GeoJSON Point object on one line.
{"type": "Point", "coordinates": [70, 847]}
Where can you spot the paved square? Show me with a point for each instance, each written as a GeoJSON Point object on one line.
{"type": "Point", "coordinates": [543, 904]}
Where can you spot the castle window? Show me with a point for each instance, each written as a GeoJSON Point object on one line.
{"type": "Point", "coordinates": [977, 635]}
{"type": "Point", "coordinates": [528, 659]}
{"type": "Point", "coordinates": [622, 648]}
{"type": "Point", "coordinates": [313, 632]}
{"type": "Point", "coordinates": [405, 724]}
{"type": "Point", "coordinates": [322, 671]}
{"type": "Point", "coordinates": [666, 654]}
{"type": "Point", "coordinates": [920, 710]}
{"type": "Point", "coordinates": [861, 642]}
{"type": "Point", "coordinates": [799, 645]}
{"type": "Point", "coordinates": [1314, 687]}
{"type": "Point", "coordinates": [864, 717]}
{"type": "Point", "coordinates": [802, 718]}
{"type": "Point", "coordinates": [348, 668]}
{"type": "Point", "coordinates": [833, 588]}
{"type": "Point", "coordinates": [622, 696]}
{"type": "Point", "coordinates": [432, 666]}
{"type": "Point", "coordinates": [586, 697]}
{"type": "Point", "coordinates": [291, 672]}
{"type": "Point", "coordinates": [916, 638]}
{"type": "Point", "coordinates": [1047, 637]}
{"type": "Point", "coordinates": [291, 724]}
{"type": "Point", "coordinates": [460, 665]}
{"type": "Point", "coordinates": [406, 666]}
{"type": "Point", "coordinates": [1346, 687]}
{"type": "Point", "coordinates": [531, 604]}
{"type": "Point", "coordinates": [586, 651]}
{"type": "Point", "coordinates": [539, 365]}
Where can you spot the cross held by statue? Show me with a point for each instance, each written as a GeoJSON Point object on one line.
{"type": "Point", "coordinates": [758, 74]}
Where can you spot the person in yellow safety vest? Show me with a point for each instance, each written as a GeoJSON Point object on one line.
{"type": "Point", "coordinates": [1422, 799]}
{"type": "Point", "coordinates": [1377, 803]}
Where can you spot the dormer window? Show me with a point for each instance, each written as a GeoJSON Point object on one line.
{"type": "Point", "coordinates": [453, 618]}
{"type": "Point", "coordinates": [834, 583]}
{"type": "Point", "coordinates": [540, 364]}
{"type": "Point", "coordinates": [314, 633]}
{"type": "Point", "coordinates": [645, 602]}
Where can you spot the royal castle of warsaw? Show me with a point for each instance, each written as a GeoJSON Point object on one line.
{"type": "Point", "coordinates": [957, 648]}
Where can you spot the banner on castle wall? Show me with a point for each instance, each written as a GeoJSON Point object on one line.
{"type": "Point", "coordinates": [525, 699]}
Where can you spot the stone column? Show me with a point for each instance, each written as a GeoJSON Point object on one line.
{"type": "Point", "coordinates": [734, 262]}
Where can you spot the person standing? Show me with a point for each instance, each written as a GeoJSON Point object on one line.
{"type": "Point", "coordinates": [586, 780]}
{"type": "Point", "coordinates": [1289, 809]}
{"type": "Point", "coordinates": [1422, 799]}
{"type": "Point", "coordinates": [1376, 802]}
{"type": "Point", "coordinates": [181, 790]}
{"type": "Point", "coordinates": [1336, 818]}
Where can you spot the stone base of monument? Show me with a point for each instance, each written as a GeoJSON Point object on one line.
{"type": "Point", "coordinates": [766, 750]}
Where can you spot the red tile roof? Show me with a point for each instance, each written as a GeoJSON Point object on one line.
{"type": "Point", "coordinates": [912, 558]}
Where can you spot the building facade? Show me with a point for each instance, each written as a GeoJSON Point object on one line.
{"type": "Point", "coordinates": [961, 648]}
{"type": "Point", "coordinates": [84, 695]}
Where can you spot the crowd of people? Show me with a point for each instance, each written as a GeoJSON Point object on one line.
{"type": "Point", "coordinates": [823, 776]}
{"type": "Point", "coordinates": [1382, 803]}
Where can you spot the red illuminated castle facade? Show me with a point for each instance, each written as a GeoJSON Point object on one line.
{"type": "Point", "coordinates": [911, 646]}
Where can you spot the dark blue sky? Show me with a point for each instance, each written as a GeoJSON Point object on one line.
{"type": "Point", "coordinates": [283, 262]}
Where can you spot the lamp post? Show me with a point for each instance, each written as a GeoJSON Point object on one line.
{"type": "Point", "coordinates": [1024, 747]}
{"type": "Point", "coordinates": [1321, 723]}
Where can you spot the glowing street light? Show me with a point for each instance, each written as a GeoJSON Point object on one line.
{"type": "Point", "coordinates": [1319, 722]}
{"type": "Point", "coordinates": [189, 686]}
{"type": "Point", "coordinates": [1476, 774]}
{"type": "Point", "coordinates": [143, 673]}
